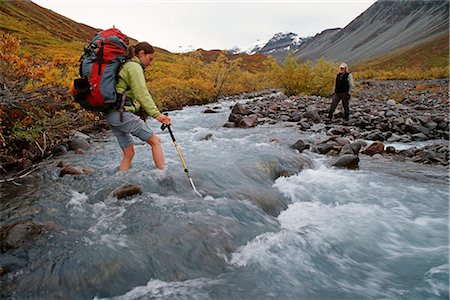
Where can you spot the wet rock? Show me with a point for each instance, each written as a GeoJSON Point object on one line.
{"type": "Point", "coordinates": [79, 143]}
{"type": "Point", "coordinates": [268, 202]}
{"type": "Point", "coordinates": [239, 109]}
{"type": "Point", "coordinates": [128, 191]}
{"type": "Point", "coordinates": [20, 234]}
{"type": "Point", "coordinates": [235, 118]}
{"type": "Point", "coordinates": [390, 150]}
{"type": "Point", "coordinates": [349, 161]}
{"type": "Point", "coordinates": [324, 148]}
{"type": "Point", "coordinates": [208, 137]}
{"type": "Point", "coordinates": [248, 121]}
{"type": "Point", "coordinates": [419, 137]}
{"type": "Point", "coordinates": [229, 125]}
{"type": "Point", "coordinates": [305, 125]}
{"type": "Point", "coordinates": [356, 147]}
{"type": "Point", "coordinates": [342, 141]}
{"type": "Point", "coordinates": [376, 136]}
{"type": "Point", "coordinates": [210, 111]}
{"type": "Point", "coordinates": [375, 148]}
{"type": "Point", "coordinates": [346, 149]}
{"type": "Point", "coordinates": [300, 145]}
{"type": "Point", "coordinates": [74, 170]}
{"type": "Point", "coordinates": [60, 150]}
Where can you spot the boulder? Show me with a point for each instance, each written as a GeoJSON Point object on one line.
{"type": "Point", "coordinates": [20, 234]}
{"type": "Point", "coordinates": [376, 136]}
{"type": "Point", "coordinates": [391, 102]}
{"type": "Point", "coordinates": [312, 114]}
{"type": "Point", "coordinates": [235, 118]}
{"type": "Point", "coordinates": [208, 137]}
{"type": "Point", "coordinates": [74, 170]}
{"type": "Point", "coordinates": [346, 149]}
{"type": "Point", "coordinates": [248, 121]}
{"type": "Point", "coordinates": [420, 137]}
{"type": "Point", "coordinates": [349, 161]}
{"type": "Point", "coordinates": [128, 191]}
{"type": "Point", "coordinates": [239, 109]}
{"type": "Point", "coordinates": [210, 111]}
{"type": "Point", "coordinates": [300, 145]}
{"type": "Point", "coordinates": [60, 150]}
{"type": "Point", "coordinates": [324, 148]}
{"type": "Point", "coordinates": [390, 150]}
{"type": "Point", "coordinates": [375, 148]}
{"type": "Point", "coordinates": [356, 147]}
{"type": "Point", "coordinates": [79, 143]}
{"type": "Point", "coordinates": [229, 125]}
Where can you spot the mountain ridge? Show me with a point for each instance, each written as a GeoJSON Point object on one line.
{"type": "Point", "coordinates": [384, 27]}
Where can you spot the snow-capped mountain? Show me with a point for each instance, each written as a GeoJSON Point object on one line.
{"type": "Point", "coordinates": [384, 27]}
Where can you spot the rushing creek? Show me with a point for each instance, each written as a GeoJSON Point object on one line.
{"type": "Point", "coordinates": [380, 232]}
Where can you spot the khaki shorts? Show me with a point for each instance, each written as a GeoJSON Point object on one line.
{"type": "Point", "coordinates": [130, 126]}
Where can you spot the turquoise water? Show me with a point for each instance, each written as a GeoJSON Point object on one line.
{"type": "Point", "coordinates": [380, 232]}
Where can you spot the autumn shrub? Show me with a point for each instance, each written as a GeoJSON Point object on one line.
{"type": "Point", "coordinates": [307, 78]}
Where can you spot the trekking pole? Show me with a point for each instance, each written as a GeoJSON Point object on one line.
{"type": "Point", "coordinates": [164, 126]}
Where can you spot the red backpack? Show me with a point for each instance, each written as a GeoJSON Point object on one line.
{"type": "Point", "coordinates": [99, 66]}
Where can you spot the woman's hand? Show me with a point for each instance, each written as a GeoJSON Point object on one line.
{"type": "Point", "coordinates": [164, 119]}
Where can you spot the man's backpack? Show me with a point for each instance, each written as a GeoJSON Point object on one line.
{"type": "Point", "coordinates": [99, 67]}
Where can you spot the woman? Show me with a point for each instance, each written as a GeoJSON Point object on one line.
{"type": "Point", "coordinates": [126, 124]}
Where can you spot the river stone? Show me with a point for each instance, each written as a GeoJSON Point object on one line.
{"type": "Point", "coordinates": [305, 125]}
{"type": "Point", "coordinates": [300, 145]}
{"type": "Point", "coordinates": [312, 114]}
{"type": "Point", "coordinates": [20, 234]}
{"type": "Point", "coordinates": [79, 143]}
{"type": "Point", "coordinates": [62, 150]}
{"type": "Point", "coordinates": [390, 150]}
{"type": "Point", "coordinates": [75, 170]}
{"type": "Point", "coordinates": [376, 148]}
{"type": "Point", "coordinates": [342, 141]}
{"type": "Point", "coordinates": [390, 113]}
{"type": "Point", "coordinates": [391, 102]}
{"type": "Point", "coordinates": [267, 201]}
{"type": "Point", "coordinates": [210, 111]}
{"type": "Point", "coordinates": [420, 137]}
{"type": "Point", "coordinates": [409, 122]}
{"type": "Point", "coordinates": [346, 149]}
{"type": "Point", "coordinates": [349, 161]}
{"type": "Point", "coordinates": [128, 191]}
{"type": "Point", "coordinates": [234, 118]}
{"type": "Point", "coordinates": [394, 138]}
{"type": "Point", "coordinates": [78, 134]}
{"type": "Point", "coordinates": [248, 121]}
{"type": "Point", "coordinates": [431, 125]}
{"type": "Point", "coordinates": [376, 136]}
{"type": "Point", "coordinates": [239, 109]}
{"type": "Point", "coordinates": [356, 147]}
{"type": "Point", "coordinates": [229, 125]}
{"type": "Point", "coordinates": [324, 148]}
{"type": "Point", "coordinates": [208, 137]}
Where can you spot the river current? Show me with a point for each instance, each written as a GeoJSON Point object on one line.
{"type": "Point", "coordinates": [379, 232]}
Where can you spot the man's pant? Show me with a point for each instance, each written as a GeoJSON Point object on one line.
{"type": "Point", "coordinates": [345, 97]}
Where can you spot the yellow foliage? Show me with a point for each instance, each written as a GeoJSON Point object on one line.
{"type": "Point", "coordinates": [306, 78]}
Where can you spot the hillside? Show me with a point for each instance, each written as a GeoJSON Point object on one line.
{"type": "Point", "coordinates": [386, 26]}
{"type": "Point", "coordinates": [40, 28]}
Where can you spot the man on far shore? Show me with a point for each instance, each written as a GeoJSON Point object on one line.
{"type": "Point", "coordinates": [342, 91]}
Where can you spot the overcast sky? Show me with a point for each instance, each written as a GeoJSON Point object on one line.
{"type": "Point", "coordinates": [175, 25]}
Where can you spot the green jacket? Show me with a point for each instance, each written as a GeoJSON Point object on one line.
{"type": "Point", "coordinates": [131, 79]}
